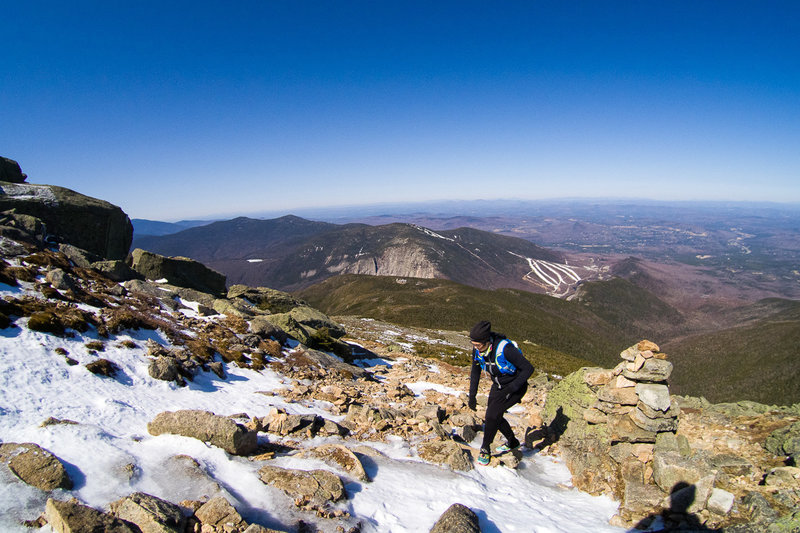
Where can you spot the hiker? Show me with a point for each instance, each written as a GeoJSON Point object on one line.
{"type": "Point", "coordinates": [509, 371]}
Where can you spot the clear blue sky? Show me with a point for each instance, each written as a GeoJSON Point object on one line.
{"type": "Point", "coordinates": [177, 109]}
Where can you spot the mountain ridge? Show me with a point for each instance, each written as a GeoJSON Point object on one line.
{"type": "Point", "coordinates": [290, 253]}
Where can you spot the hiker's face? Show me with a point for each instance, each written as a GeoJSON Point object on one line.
{"type": "Point", "coordinates": [480, 346]}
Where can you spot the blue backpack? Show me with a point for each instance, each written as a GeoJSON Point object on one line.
{"type": "Point", "coordinates": [503, 365]}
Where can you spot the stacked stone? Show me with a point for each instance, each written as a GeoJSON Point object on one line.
{"type": "Point", "coordinates": [637, 387]}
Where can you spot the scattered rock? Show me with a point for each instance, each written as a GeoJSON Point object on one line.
{"type": "Point", "coordinates": [457, 518]}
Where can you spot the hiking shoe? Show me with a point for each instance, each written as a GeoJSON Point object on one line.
{"type": "Point", "coordinates": [507, 447]}
{"type": "Point", "coordinates": [484, 457]}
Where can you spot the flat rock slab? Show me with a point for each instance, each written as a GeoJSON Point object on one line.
{"type": "Point", "coordinates": [218, 430]}
{"type": "Point", "coordinates": [35, 466]}
{"type": "Point", "coordinates": [316, 486]}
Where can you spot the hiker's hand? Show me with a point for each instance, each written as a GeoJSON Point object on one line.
{"type": "Point", "coordinates": [472, 404]}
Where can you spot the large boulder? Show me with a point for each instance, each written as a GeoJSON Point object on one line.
{"type": "Point", "coordinates": [180, 271]}
{"type": "Point", "coordinates": [207, 427]}
{"type": "Point", "coordinates": [70, 217]}
{"type": "Point", "coordinates": [10, 171]}
{"type": "Point", "coordinates": [35, 466]}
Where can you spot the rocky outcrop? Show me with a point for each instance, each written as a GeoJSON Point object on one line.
{"type": "Point", "coordinates": [457, 518]}
{"type": "Point", "coordinates": [35, 466]}
{"type": "Point", "coordinates": [267, 299]}
{"type": "Point", "coordinates": [207, 427]}
{"type": "Point", "coordinates": [304, 322]}
{"type": "Point", "coordinates": [55, 214]}
{"type": "Point", "coordinates": [10, 171]}
{"type": "Point", "coordinates": [180, 271]}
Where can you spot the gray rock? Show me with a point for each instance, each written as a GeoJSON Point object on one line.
{"type": "Point", "coordinates": [457, 518]}
{"type": "Point", "coordinates": [262, 327]}
{"type": "Point", "coordinates": [60, 280]}
{"type": "Point", "coordinates": [720, 502]}
{"type": "Point", "coordinates": [151, 514]}
{"type": "Point", "coordinates": [69, 217]}
{"type": "Point", "coordinates": [207, 427]}
{"type": "Point", "coordinates": [315, 486]}
{"type": "Point", "coordinates": [653, 424]}
{"type": "Point", "coordinates": [654, 371]}
{"type": "Point", "coordinates": [115, 270]}
{"type": "Point", "coordinates": [670, 469]}
{"type": "Point", "coordinates": [78, 256]}
{"type": "Point", "coordinates": [180, 271]}
{"type": "Point", "coordinates": [35, 466]}
{"type": "Point", "coordinates": [165, 368]}
{"type": "Point", "coordinates": [71, 517]}
{"type": "Point", "coordinates": [672, 412]}
{"type": "Point", "coordinates": [654, 395]}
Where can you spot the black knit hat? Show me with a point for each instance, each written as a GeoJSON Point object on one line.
{"type": "Point", "coordinates": [481, 332]}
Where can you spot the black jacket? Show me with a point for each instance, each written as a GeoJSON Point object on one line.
{"type": "Point", "coordinates": [508, 383]}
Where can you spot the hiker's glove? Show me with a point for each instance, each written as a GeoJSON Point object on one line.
{"type": "Point", "coordinates": [472, 404]}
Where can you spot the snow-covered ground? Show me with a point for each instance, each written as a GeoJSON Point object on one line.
{"type": "Point", "coordinates": [406, 494]}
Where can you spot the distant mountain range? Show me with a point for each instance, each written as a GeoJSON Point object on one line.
{"type": "Point", "coordinates": [290, 253]}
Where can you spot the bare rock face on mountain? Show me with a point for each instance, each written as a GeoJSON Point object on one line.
{"type": "Point", "coordinates": [180, 271]}
{"type": "Point", "coordinates": [208, 427]}
{"type": "Point", "coordinates": [58, 214]}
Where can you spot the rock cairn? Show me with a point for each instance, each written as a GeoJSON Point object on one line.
{"type": "Point", "coordinates": [638, 388]}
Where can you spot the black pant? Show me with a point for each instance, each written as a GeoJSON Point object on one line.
{"type": "Point", "coordinates": [496, 407]}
